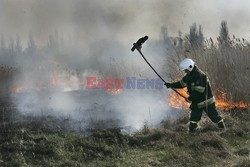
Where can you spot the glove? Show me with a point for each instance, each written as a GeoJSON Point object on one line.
{"type": "Point", "coordinates": [168, 85]}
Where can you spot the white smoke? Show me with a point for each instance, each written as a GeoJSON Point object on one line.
{"type": "Point", "coordinates": [89, 39]}
{"type": "Point", "coordinates": [67, 96]}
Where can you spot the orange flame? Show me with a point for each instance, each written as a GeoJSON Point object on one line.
{"type": "Point", "coordinates": [19, 89]}
{"type": "Point", "coordinates": [114, 91]}
{"type": "Point", "coordinates": [66, 82]}
{"type": "Point", "coordinates": [59, 81]}
{"type": "Point", "coordinates": [176, 101]}
{"type": "Point", "coordinates": [223, 103]}
{"type": "Point", "coordinates": [55, 80]}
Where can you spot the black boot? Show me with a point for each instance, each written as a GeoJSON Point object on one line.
{"type": "Point", "coordinates": [192, 127]}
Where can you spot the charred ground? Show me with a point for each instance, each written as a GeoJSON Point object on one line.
{"type": "Point", "coordinates": [37, 144]}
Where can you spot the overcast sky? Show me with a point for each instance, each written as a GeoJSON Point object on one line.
{"type": "Point", "coordinates": [124, 20]}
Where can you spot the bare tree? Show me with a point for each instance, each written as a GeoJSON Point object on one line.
{"type": "Point", "coordinates": [196, 37]}
{"type": "Point", "coordinates": [224, 39]}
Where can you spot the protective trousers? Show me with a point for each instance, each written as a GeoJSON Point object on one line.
{"type": "Point", "coordinates": [212, 113]}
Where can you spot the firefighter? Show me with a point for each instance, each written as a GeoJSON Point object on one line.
{"type": "Point", "coordinates": [200, 94]}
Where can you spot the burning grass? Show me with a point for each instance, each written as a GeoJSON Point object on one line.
{"type": "Point", "coordinates": [176, 101]}
{"type": "Point", "coordinates": [225, 61]}
{"type": "Point", "coordinates": [222, 102]}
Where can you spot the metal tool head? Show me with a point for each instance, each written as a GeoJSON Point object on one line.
{"type": "Point", "coordinates": [138, 44]}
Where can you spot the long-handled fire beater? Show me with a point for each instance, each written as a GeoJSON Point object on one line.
{"type": "Point", "coordinates": [138, 46]}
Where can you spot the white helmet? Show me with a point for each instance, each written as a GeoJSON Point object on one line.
{"type": "Point", "coordinates": [187, 64]}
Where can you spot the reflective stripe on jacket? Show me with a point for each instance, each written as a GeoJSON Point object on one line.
{"type": "Point", "coordinates": [198, 86]}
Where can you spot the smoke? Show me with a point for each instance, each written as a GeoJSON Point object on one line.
{"type": "Point", "coordinates": [90, 21]}
{"type": "Point", "coordinates": [56, 85]}
{"type": "Point", "coordinates": [71, 40]}
{"type": "Point", "coordinates": [63, 42]}
{"type": "Point", "coordinates": [54, 81]}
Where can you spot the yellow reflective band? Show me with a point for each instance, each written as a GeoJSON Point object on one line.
{"type": "Point", "coordinates": [208, 82]}
{"type": "Point", "coordinates": [183, 84]}
{"type": "Point", "coordinates": [206, 102]}
{"type": "Point", "coordinates": [199, 89]}
{"type": "Point", "coordinates": [194, 122]}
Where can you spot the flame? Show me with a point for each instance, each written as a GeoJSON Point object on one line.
{"type": "Point", "coordinates": [63, 82]}
{"type": "Point", "coordinates": [19, 89]}
{"type": "Point", "coordinates": [55, 80]}
{"type": "Point", "coordinates": [114, 91]}
{"type": "Point", "coordinates": [222, 102]}
{"type": "Point", "coordinates": [22, 88]}
{"type": "Point", "coordinates": [177, 101]}
{"type": "Point", "coordinates": [66, 82]}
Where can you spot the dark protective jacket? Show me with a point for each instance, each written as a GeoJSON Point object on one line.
{"type": "Point", "coordinates": [198, 86]}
